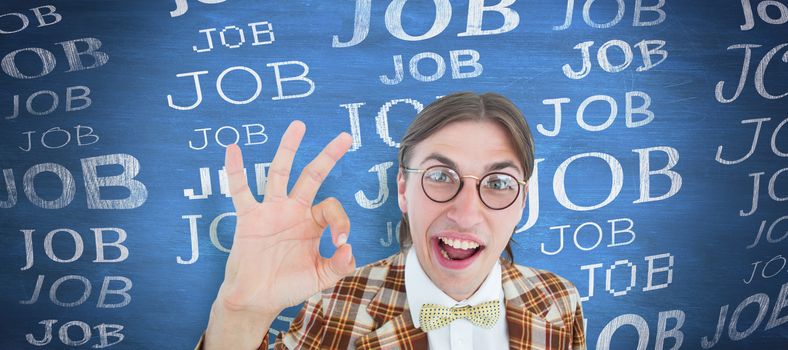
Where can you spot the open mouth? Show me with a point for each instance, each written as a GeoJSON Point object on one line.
{"type": "Point", "coordinates": [456, 252]}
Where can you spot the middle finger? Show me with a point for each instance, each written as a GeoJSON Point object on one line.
{"type": "Point", "coordinates": [279, 172]}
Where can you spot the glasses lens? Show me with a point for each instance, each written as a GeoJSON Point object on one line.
{"type": "Point", "coordinates": [440, 183]}
{"type": "Point", "coordinates": [499, 190]}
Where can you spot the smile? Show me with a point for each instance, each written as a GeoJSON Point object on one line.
{"type": "Point", "coordinates": [456, 253]}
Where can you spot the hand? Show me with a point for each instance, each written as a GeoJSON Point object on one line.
{"type": "Point", "coordinates": [275, 262]}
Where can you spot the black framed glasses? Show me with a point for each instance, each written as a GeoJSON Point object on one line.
{"type": "Point", "coordinates": [497, 190]}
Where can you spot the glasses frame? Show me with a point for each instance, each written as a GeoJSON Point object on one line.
{"type": "Point", "coordinates": [521, 183]}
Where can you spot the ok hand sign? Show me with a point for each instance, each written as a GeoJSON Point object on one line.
{"type": "Point", "coordinates": [275, 260]}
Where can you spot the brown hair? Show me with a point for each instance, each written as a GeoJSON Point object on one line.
{"type": "Point", "coordinates": [464, 106]}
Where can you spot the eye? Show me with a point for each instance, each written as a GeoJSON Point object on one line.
{"type": "Point", "coordinates": [440, 175]}
{"type": "Point", "coordinates": [500, 182]}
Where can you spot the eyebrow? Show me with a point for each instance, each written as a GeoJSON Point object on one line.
{"type": "Point", "coordinates": [492, 167]}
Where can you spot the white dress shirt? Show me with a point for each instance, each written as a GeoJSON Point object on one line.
{"type": "Point", "coordinates": [460, 334]}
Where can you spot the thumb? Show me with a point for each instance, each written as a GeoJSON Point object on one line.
{"type": "Point", "coordinates": [341, 264]}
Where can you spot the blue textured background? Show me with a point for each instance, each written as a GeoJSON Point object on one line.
{"type": "Point", "coordinates": [700, 226]}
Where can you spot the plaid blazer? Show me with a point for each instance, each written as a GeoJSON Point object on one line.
{"type": "Point", "coordinates": [369, 310]}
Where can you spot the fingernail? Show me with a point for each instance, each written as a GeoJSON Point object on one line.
{"type": "Point", "coordinates": [342, 239]}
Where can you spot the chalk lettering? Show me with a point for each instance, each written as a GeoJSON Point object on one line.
{"type": "Point", "coordinates": [642, 329]}
{"type": "Point", "coordinates": [665, 269]}
{"type": "Point", "coordinates": [64, 140]}
{"type": "Point", "coordinates": [620, 10]}
{"type": "Point", "coordinates": [749, 20]}
{"type": "Point", "coordinates": [301, 77]}
{"type": "Point", "coordinates": [10, 188]}
{"type": "Point", "coordinates": [198, 87]}
{"type": "Point", "coordinates": [559, 187]}
{"type": "Point", "coordinates": [123, 292]}
{"type": "Point", "coordinates": [778, 259]}
{"type": "Point", "coordinates": [760, 71]}
{"type": "Point", "coordinates": [48, 61]}
{"type": "Point", "coordinates": [533, 198]}
{"type": "Point", "coordinates": [381, 120]}
{"type": "Point", "coordinates": [636, 321]}
{"type": "Point", "coordinates": [596, 231]}
{"type": "Point", "coordinates": [85, 287]}
{"type": "Point", "coordinates": [181, 6]}
{"type": "Point", "coordinates": [279, 79]}
{"type": "Point", "coordinates": [73, 54]}
{"type": "Point", "coordinates": [137, 196]}
{"type": "Point", "coordinates": [443, 14]}
{"type": "Point", "coordinates": [206, 186]}
{"type": "Point", "coordinates": [646, 173]}
{"type": "Point", "coordinates": [668, 269]}
{"type": "Point", "coordinates": [476, 10]}
{"type": "Point", "coordinates": [76, 238]}
{"type": "Point", "coordinates": [241, 36]}
{"type": "Point", "coordinates": [392, 233]}
{"type": "Point", "coordinates": [769, 237]}
{"type": "Point", "coordinates": [763, 303]}
{"type": "Point", "coordinates": [63, 175]}
{"type": "Point", "coordinates": [580, 114]}
{"type": "Point", "coordinates": [616, 170]}
{"type": "Point", "coordinates": [193, 240]}
{"type": "Point", "coordinates": [770, 189]}
{"type": "Point", "coordinates": [138, 193]}
{"type": "Point", "coordinates": [220, 89]}
{"type": "Point", "coordinates": [259, 133]}
{"type": "Point", "coordinates": [604, 62]}
{"type": "Point", "coordinates": [32, 98]}
{"type": "Point", "coordinates": [383, 188]}
{"type": "Point", "coordinates": [758, 125]}
{"type": "Point", "coordinates": [64, 334]}
{"type": "Point", "coordinates": [47, 336]}
{"type": "Point", "coordinates": [45, 15]}
{"type": "Point", "coordinates": [456, 65]}
{"type": "Point", "coordinates": [213, 233]}
{"type": "Point", "coordinates": [632, 275]}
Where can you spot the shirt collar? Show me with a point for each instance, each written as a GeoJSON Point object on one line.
{"type": "Point", "coordinates": [421, 290]}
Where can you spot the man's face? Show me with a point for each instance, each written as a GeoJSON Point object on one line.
{"type": "Point", "coordinates": [471, 148]}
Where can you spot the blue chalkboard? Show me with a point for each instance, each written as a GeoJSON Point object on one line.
{"type": "Point", "coordinates": [661, 193]}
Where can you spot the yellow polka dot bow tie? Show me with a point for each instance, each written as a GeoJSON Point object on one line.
{"type": "Point", "coordinates": [432, 316]}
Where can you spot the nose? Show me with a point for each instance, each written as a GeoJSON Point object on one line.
{"type": "Point", "coordinates": [467, 208]}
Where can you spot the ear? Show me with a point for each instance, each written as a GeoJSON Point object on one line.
{"type": "Point", "coordinates": [403, 202]}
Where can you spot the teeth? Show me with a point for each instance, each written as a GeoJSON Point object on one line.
{"type": "Point", "coordinates": [445, 255]}
{"type": "Point", "coordinates": [459, 244]}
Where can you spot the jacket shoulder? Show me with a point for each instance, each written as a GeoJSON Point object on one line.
{"type": "Point", "coordinates": [558, 290]}
{"type": "Point", "coordinates": [545, 278]}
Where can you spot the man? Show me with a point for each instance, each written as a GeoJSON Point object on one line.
{"type": "Point", "coordinates": [461, 186]}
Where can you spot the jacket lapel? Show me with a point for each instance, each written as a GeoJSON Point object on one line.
{"type": "Point", "coordinates": [389, 308]}
{"type": "Point", "coordinates": [531, 316]}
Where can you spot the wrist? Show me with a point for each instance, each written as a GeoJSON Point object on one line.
{"type": "Point", "coordinates": [226, 311]}
{"type": "Point", "coordinates": [234, 329]}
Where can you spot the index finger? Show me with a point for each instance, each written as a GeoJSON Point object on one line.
{"type": "Point", "coordinates": [236, 180]}
{"type": "Point", "coordinates": [316, 171]}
